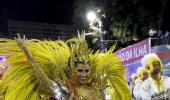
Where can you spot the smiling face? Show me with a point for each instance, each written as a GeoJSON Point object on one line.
{"type": "Point", "coordinates": [82, 73]}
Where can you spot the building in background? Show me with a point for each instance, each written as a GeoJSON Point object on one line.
{"type": "Point", "coordinates": [40, 30]}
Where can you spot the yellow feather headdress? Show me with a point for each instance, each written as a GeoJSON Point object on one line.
{"type": "Point", "coordinates": [79, 49]}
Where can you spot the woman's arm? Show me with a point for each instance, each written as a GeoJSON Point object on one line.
{"type": "Point", "coordinates": [58, 90]}
{"type": "Point", "coordinates": [40, 74]}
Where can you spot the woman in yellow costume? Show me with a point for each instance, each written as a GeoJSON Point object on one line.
{"type": "Point", "coordinates": [66, 70]}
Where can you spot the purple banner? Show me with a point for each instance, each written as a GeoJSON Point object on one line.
{"type": "Point", "coordinates": [134, 52]}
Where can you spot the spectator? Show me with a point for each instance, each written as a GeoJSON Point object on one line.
{"type": "Point", "coordinates": [156, 83]}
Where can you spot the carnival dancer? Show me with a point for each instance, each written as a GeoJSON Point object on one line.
{"type": "Point", "coordinates": [142, 76]}
{"type": "Point", "coordinates": [68, 71]}
{"type": "Point", "coordinates": [132, 84]}
{"type": "Point", "coordinates": [156, 83]}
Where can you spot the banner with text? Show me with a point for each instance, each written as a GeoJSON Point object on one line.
{"type": "Point", "coordinates": [134, 52]}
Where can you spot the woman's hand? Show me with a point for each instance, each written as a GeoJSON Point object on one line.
{"type": "Point", "coordinates": [22, 42]}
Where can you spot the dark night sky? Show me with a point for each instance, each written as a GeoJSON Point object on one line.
{"type": "Point", "coordinates": [45, 11]}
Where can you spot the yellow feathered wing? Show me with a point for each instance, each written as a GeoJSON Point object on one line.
{"type": "Point", "coordinates": [109, 73]}
{"type": "Point", "coordinates": [19, 81]}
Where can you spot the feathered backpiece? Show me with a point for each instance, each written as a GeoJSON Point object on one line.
{"type": "Point", "coordinates": [109, 73]}
{"type": "Point", "coordinates": [57, 60]}
{"type": "Point", "coordinates": [20, 82]}
{"type": "Point", "coordinates": [8, 47]}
